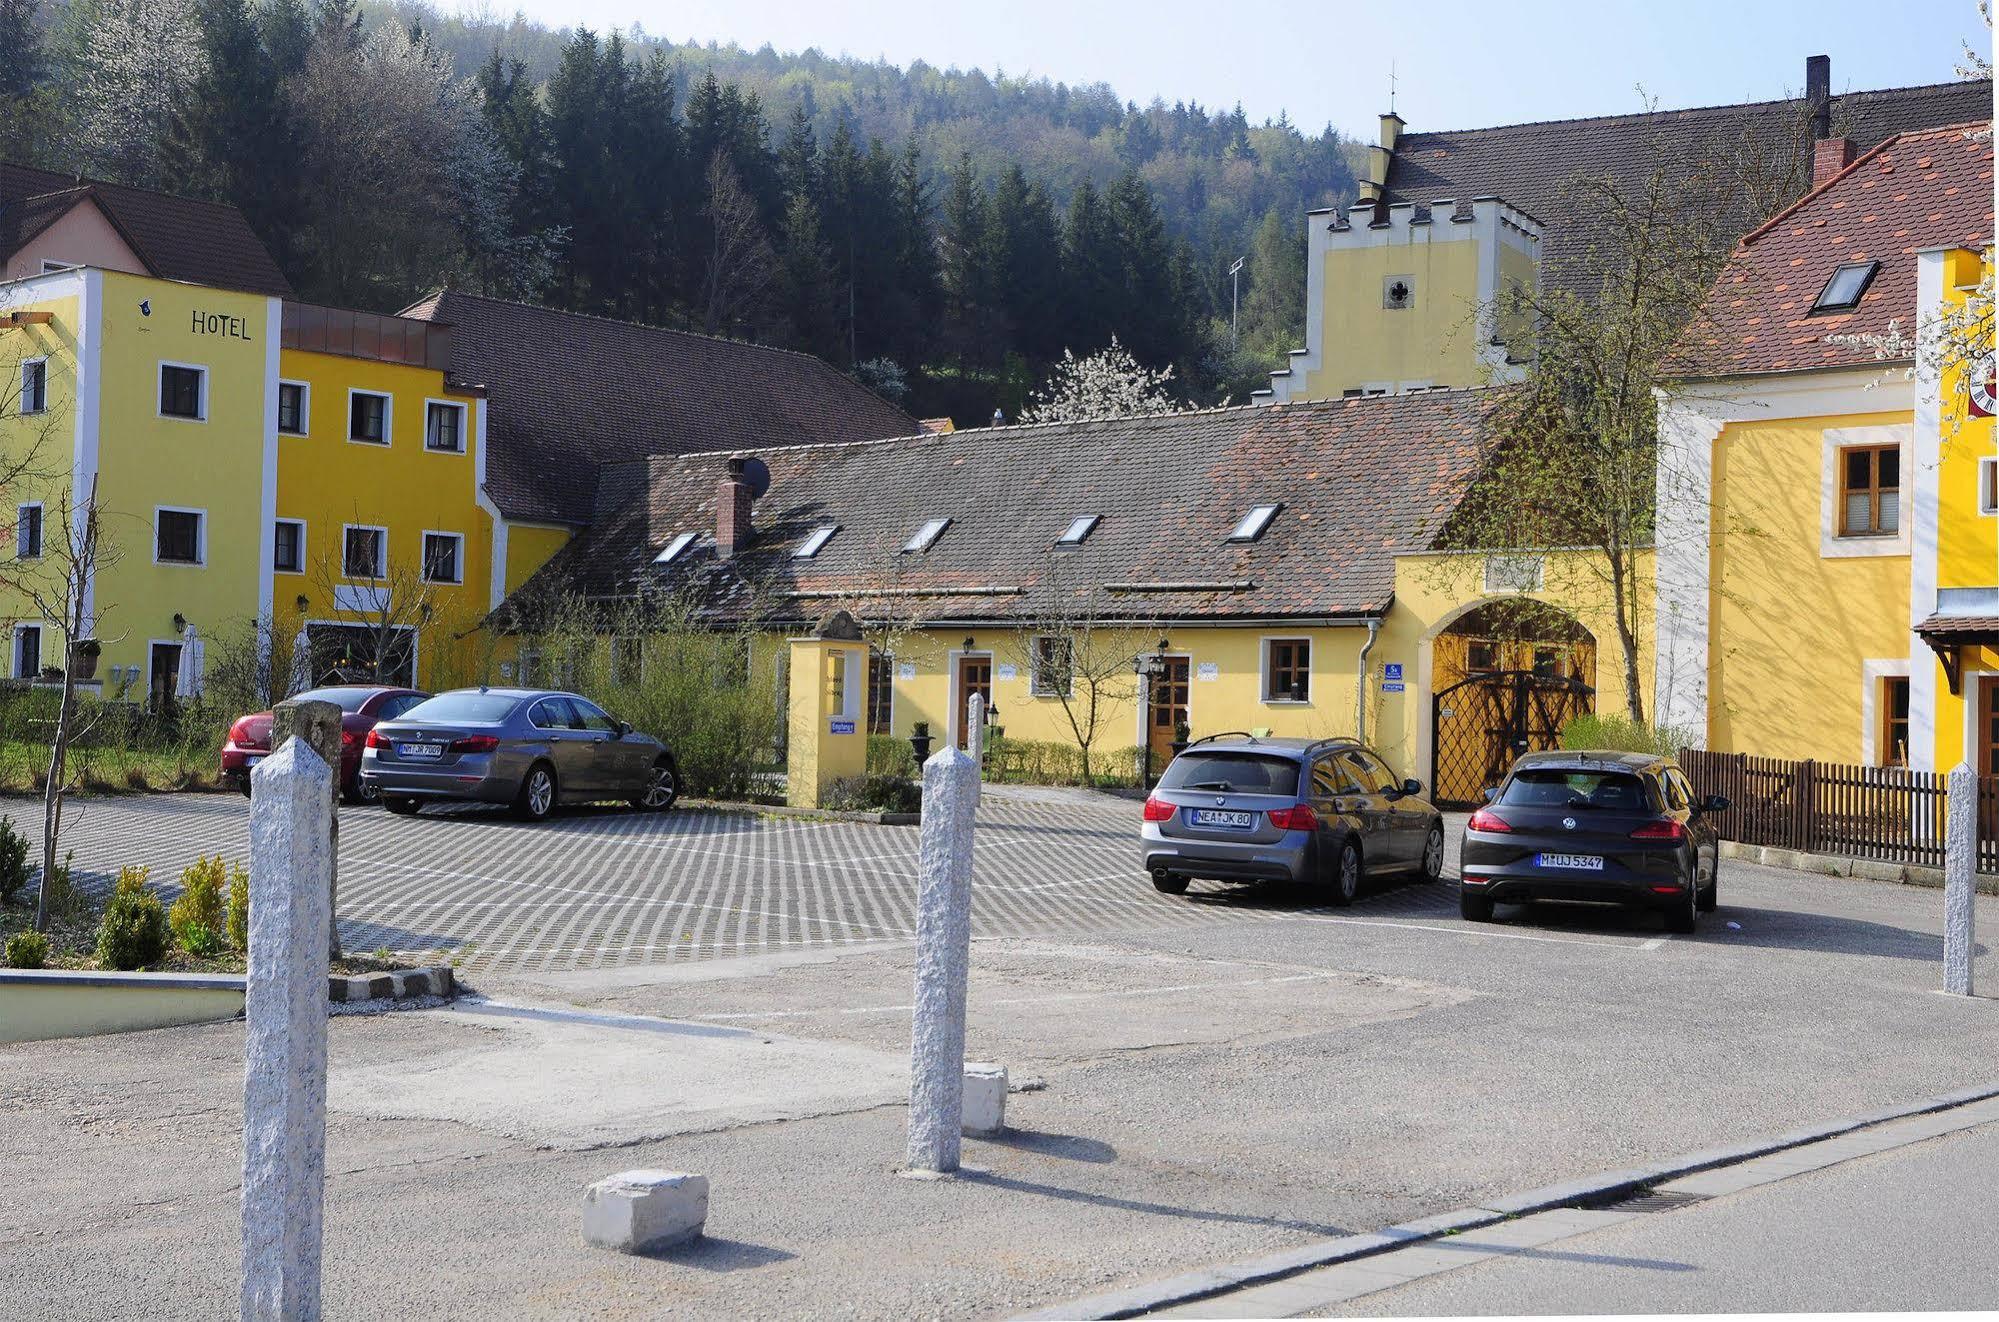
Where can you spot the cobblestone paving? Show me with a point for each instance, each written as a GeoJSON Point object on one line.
{"type": "Point", "coordinates": [598, 888]}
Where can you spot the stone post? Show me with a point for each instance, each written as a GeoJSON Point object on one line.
{"type": "Point", "coordinates": [1960, 887]}
{"type": "Point", "coordinates": [975, 737]}
{"type": "Point", "coordinates": [943, 952]}
{"type": "Point", "coordinates": [318, 724]}
{"type": "Point", "coordinates": [284, 1048]}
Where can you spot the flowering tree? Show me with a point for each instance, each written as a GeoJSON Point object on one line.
{"type": "Point", "coordinates": [1109, 383]}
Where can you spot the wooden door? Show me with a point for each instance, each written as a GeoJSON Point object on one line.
{"type": "Point", "coordinates": [163, 678]}
{"type": "Point", "coordinates": [975, 675]}
{"type": "Point", "coordinates": [1168, 708]}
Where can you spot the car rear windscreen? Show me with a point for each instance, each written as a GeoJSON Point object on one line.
{"type": "Point", "coordinates": [348, 700]}
{"type": "Point", "coordinates": [1232, 773]}
{"type": "Point", "coordinates": [480, 707]}
{"type": "Point", "coordinates": [1565, 787]}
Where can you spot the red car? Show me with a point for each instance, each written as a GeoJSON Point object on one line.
{"type": "Point", "coordinates": [361, 705]}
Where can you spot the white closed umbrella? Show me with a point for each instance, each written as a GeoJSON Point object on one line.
{"type": "Point", "coordinates": [187, 684]}
{"type": "Point", "coordinates": [301, 664]}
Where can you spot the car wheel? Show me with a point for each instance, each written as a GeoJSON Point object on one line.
{"type": "Point", "coordinates": [1709, 898]}
{"type": "Point", "coordinates": [1473, 907]}
{"type": "Point", "coordinates": [1346, 875]}
{"type": "Point", "coordinates": [401, 805]}
{"type": "Point", "coordinates": [1681, 916]}
{"type": "Point", "coordinates": [536, 799]}
{"type": "Point", "coordinates": [662, 787]}
{"type": "Point", "coordinates": [1433, 854]}
{"type": "Point", "coordinates": [243, 783]}
{"type": "Point", "coordinates": [1168, 884]}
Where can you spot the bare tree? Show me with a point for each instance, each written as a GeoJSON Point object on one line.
{"type": "Point", "coordinates": [740, 258]}
{"type": "Point", "coordinates": [1078, 654]}
{"type": "Point", "coordinates": [388, 601]}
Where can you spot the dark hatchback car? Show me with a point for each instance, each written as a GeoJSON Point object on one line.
{"type": "Point", "coordinates": [1327, 812]}
{"type": "Point", "coordinates": [361, 706]}
{"type": "Point", "coordinates": [1598, 828]}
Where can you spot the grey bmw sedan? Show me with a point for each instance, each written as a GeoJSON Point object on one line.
{"type": "Point", "coordinates": [529, 748]}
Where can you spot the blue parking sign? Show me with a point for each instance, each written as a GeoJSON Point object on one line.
{"type": "Point", "coordinates": [1391, 670]}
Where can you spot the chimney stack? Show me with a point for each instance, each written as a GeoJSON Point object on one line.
{"type": "Point", "coordinates": [1830, 156]}
{"type": "Point", "coordinates": [1818, 91]}
{"type": "Point", "coordinates": [732, 512]}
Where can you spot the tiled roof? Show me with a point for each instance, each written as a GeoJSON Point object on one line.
{"type": "Point", "coordinates": [1359, 480]}
{"type": "Point", "coordinates": [1534, 166]}
{"type": "Point", "coordinates": [178, 238]}
{"type": "Point", "coordinates": [570, 392]}
{"type": "Point", "coordinates": [1919, 190]}
{"type": "Point", "coordinates": [1980, 628]}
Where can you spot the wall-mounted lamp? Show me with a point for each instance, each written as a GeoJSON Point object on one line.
{"type": "Point", "coordinates": [180, 622]}
{"type": "Point", "coordinates": [303, 602]}
{"type": "Point", "coordinates": [969, 642]}
{"type": "Point", "coordinates": [1164, 645]}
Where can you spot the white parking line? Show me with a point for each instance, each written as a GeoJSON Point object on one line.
{"type": "Point", "coordinates": [1037, 1000]}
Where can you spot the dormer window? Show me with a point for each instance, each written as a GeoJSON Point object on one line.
{"type": "Point", "coordinates": [674, 549]}
{"type": "Point", "coordinates": [816, 543]}
{"type": "Point", "coordinates": [1253, 523]}
{"type": "Point", "coordinates": [926, 536]}
{"type": "Point", "coordinates": [1078, 530]}
{"type": "Point", "coordinates": [1842, 292]}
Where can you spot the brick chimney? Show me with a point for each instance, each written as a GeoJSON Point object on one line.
{"type": "Point", "coordinates": [732, 512]}
{"type": "Point", "coordinates": [1818, 94]}
{"type": "Point", "coordinates": [1830, 156]}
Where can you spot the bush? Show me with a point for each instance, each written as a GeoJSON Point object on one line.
{"type": "Point", "coordinates": [1622, 734]}
{"type": "Point", "coordinates": [27, 950]}
{"type": "Point", "coordinates": [13, 861]}
{"type": "Point", "coordinates": [196, 917]}
{"type": "Point", "coordinates": [134, 931]}
{"type": "Point", "coordinates": [239, 908]}
{"type": "Point", "coordinates": [890, 755]}
{"type": "Point", "coordinates": [874, 794]}
{"type": "Point", "coordinates": [1047, 762]}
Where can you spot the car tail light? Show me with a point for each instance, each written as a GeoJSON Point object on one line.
{"type": "Point", "coordinates": [374, 739]}
{"type": "Point", "coordinates": [348, 738]}
{"type": "Point", "coordinates": [1298, 817]}
{"type": "Point", "coordinates": [475, 743]}
{"type": "Point", "coordinates": [1158, 810]}
{"type": "Point", "coordinates": [1666, 830]}
{"type": "Point", "coordinates": [1485, 819]}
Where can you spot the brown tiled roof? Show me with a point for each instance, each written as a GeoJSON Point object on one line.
{"type": "Point", "coordinates": [1919, 190]}
{"type": "Point", "coordinates": [1534, 166]}
{"type": "Point", "coordinates": [1960, 627]}
{"type": "Point", "coordinates": [570, 392]}
{"type": "Point", "coordinates": [178, 238]}
{"type": "Point", "coordinates": [1359, 480]}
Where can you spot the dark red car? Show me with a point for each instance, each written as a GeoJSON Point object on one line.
{"type": "Point", "coordinates": [361, 705]}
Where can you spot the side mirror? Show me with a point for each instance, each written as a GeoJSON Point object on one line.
{"type": "Point", "coordinates": [1412, 787]}
{"type": "Point", "coordinates": [1714, 803]}
{"type": "Point", "coordinates": [1490, 792]}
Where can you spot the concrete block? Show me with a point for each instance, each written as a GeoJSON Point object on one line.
{"type": "Point", "coordinates": [1875, 869]}
{"type": "Point", "coordinates": [637, 1211]}
{"type": "Point", "coordinates": [413, 982]}
{"type": "Point", "coordinates": [984, 1104]}
{"type": "Point", "coordinates": [344, 987]}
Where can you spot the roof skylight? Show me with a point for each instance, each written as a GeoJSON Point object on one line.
{"type": "Point", "coordinates": [816, 543]}
{"type": "Point", "coordinates": [674, 548]}
{"type": "Point", "coordinates": [1079, 528]}
{"type": "Point", "coordinates": [1253, 523]}
{"type": "Point", "coordinates": [1848, 283]}
{"type": "Point", "coordinates": [926, 535]}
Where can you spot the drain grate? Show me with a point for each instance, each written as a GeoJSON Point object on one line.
{"type": "Point", "coordinates": [1651, 1200]}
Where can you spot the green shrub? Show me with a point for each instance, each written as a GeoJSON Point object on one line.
{"type": "Point", "coordinates": [27, 950]}
{"type": "Point", "coordinates": [199, 908]}
{"type": "Point", "coordinates": [239, 907]}
{"type": "Point", "coordinates": [13, 861]}
{"type": "Point", "coordinates": [1621, 734]}
{"type": "Point", "coordinates": [874, 794]}
{"type": "Point", "coordinates": [1050, 762]}
{"type": "Point", "coordinates": [134, 931]}
{"type": "Point", "coordinates": [891, 755]}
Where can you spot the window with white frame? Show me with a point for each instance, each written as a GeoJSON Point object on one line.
{"type": "Point", "coordinates": [179, 536]}
{"type": "Point", "coordinates": [443, 557]}
{"type": "Point", "coordinates": [28, 531]}
{"type": "Point", "coordinates": [292, 397]}
{"type": "Point", "coordinates": [1988, 486]}
{"type": "Point", "coordinates": [1252, 525]}
{"type": "Point", "coordinates": [674, 549]}
{"type": "Point", "coordinates": [50, 266]}
{"type": "Point", "coordinates": [364, 552]}
{"type": "Point", "coordinates": [444, 427]}
{"type": "Point", "coordinates": [288, 546]}
{"type": "Point", "coordinates": [815, 542]}
{"type": "Point", "coordinates": [1053, 673]}
{"type": "Point", "coordinates": [1287, 670]}
{"type": "Point", "coordinates": [926, 536]}
{"type": "Point", "coordinates": [1078, 531]}
{"type": "Point", "coordinates": [27, 651]}
{"type": "Point", "coordinates": [183, 391]}
{"type": "Point", "coordinates": [35, 385]}
{"type": "Point", "coordinates": [367, 417]}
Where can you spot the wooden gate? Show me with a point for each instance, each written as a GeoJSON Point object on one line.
{"type": "Point", "coordinates": [1479, 725]}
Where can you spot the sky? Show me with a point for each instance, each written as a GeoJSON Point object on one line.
{"type": "Point", "coordinates": [1457, 64]}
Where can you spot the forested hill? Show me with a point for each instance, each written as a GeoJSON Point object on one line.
{"type": "Point", "coordinates": [943, 234]}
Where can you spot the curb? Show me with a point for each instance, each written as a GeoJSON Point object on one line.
{"type": "Point", "coordinates": [1839, 865]}
{"type": "Point", "coordinates": [743, 809]}
{"type": "Point", "coordinates": [347, 988]}
{"type": "Point", "coordinates": [1208, 1282]}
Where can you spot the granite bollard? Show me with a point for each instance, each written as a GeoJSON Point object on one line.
{"type": "Point", "coordinates": [284, 1048]}
{"type": "Point", "coordinates": [943, 954]}
{"type": "Point", "coordinates": [984, 1110]}
{"type": "Point", "coordinates": [1960, 887]}
{"type": "Point", "coordinates": [637, 1211]}
{"type": "Point", "coordinates": [317, 724]}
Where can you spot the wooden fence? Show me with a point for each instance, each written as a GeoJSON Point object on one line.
{"type": "Point", "coordinates": [1885, 813]}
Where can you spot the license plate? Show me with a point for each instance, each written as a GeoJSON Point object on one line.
{"type": "Point", "coordinates": [420, 752]}
{"type": "Point", "coordinates": [252, 760]}
{"type": "Point", "coordinates": [1584, 862]}
{"type": "Point", "coordinates": [1234, 821]}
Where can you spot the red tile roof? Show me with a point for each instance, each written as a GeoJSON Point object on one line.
{"type": "Point", "coordinates": [1931, 189]}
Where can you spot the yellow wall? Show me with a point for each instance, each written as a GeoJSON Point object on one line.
{"type": "Point", "coordinates": [1967, 541]}
{"type": "Point", "coordinates": [47, 438]}
{"type": "Point", "coordinates": [1363, 342]}
{"type": "Point", "coordinates": [529, 546]}
{"type": "Point", "coordinates": [331, 481]}
{"type": "Point", "coordinates": [1790, 628]}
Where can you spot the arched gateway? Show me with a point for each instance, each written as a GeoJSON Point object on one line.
{"type": "Point", "coordinates": [1506, 676]}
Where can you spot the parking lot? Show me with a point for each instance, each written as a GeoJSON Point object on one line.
{"type": "Point", "coordinates": [597, 888]}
